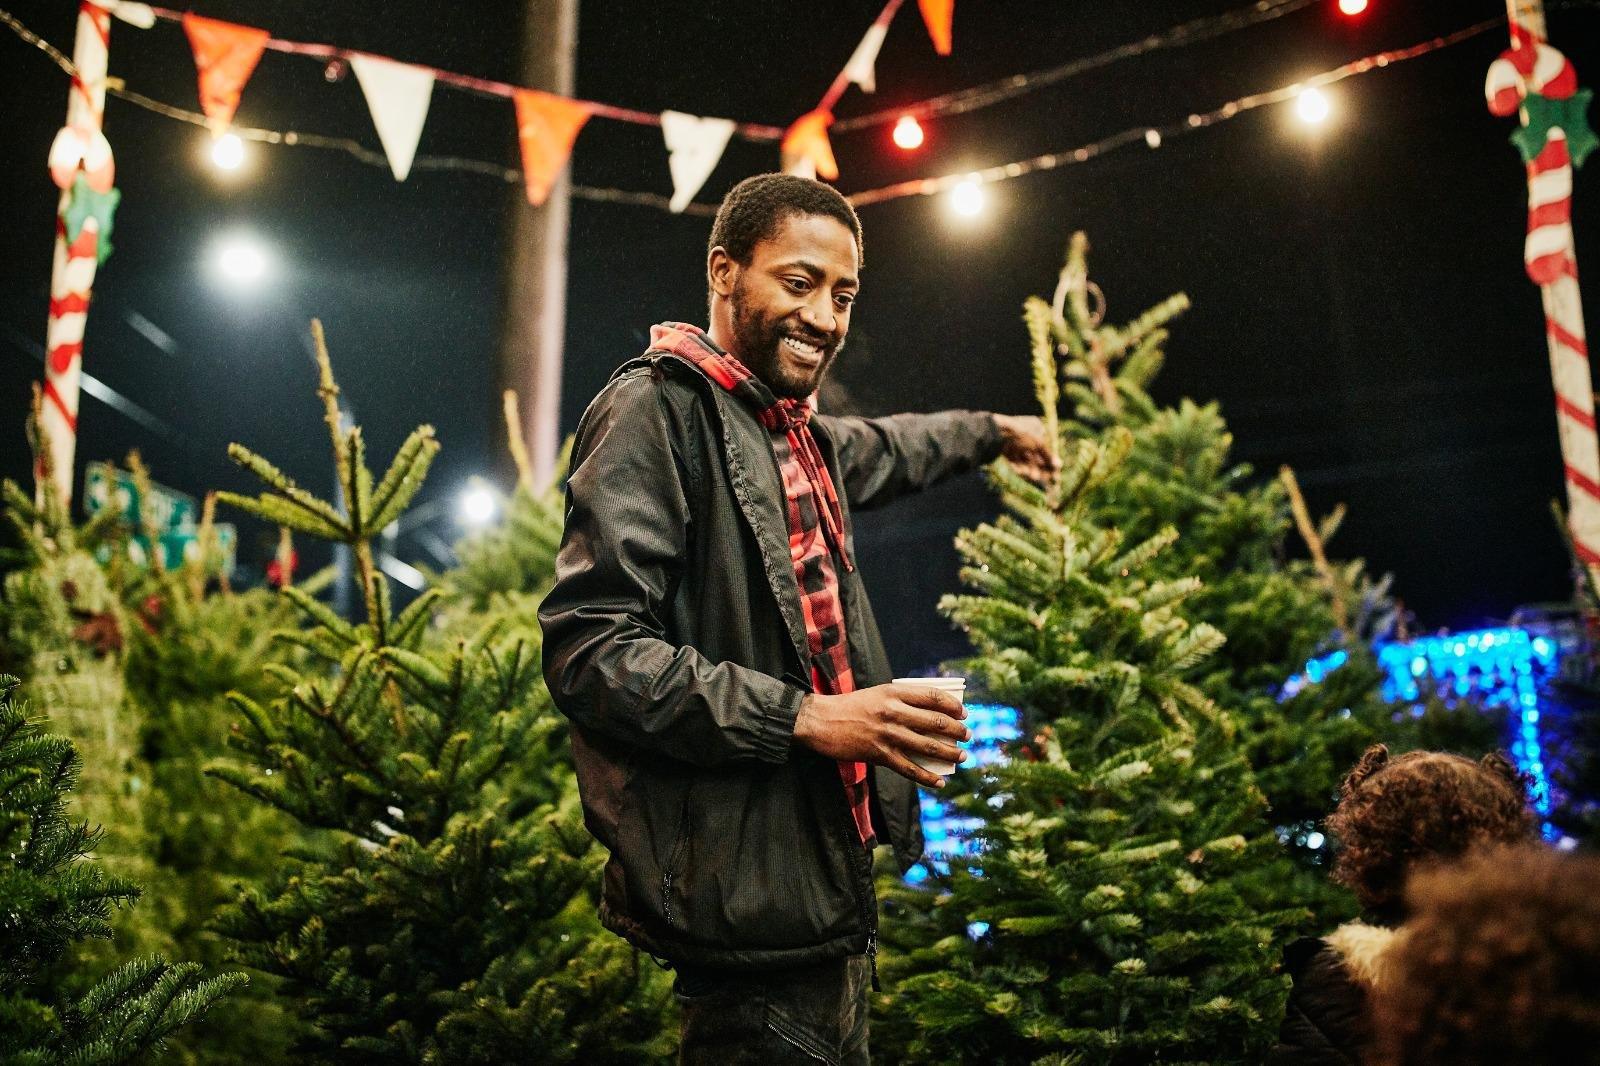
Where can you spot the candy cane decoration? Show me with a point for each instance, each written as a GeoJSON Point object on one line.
{"type": "Point", "coordinates": [81, 166]}
{"type": "Point", "coordinates": [1537, 81]}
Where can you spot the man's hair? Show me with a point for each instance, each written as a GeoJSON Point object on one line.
{"type": "Point", "coordinates": [1499, 963]}
{"type": "Point", "coordinates": [758, 206]}
{"type": "Point", "coordinates": [1425, 806]}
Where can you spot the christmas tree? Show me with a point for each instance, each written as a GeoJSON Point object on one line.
{"type": "Point", "coordinates": [63, 627]}
{"type": "Point", "coordinates": [53, 897]}
{"type": "Point", "coordinates": [198, 640]}
{"type": "Point", "coordinates": [441, 905]}
{"type": "Point", "coordinates": [1101, 920]}
{"type": "Point", "coordinates": [132, 661]}
{"type": "Point", "coordinates": [1122, 905]}
{"type": "Point", "coordinates": [1239, 536]}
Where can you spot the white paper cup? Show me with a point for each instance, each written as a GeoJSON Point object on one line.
{"type": "Point", "coordinates": [954, 686]}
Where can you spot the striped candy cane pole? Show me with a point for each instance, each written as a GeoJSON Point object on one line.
{"type": "Point", "coordinates": [80, 148]}
{"type": "Point", "coordinates": [1523, 80]}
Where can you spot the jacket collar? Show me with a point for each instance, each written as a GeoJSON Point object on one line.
{"type": "Point", "coordinates": [753, 474]}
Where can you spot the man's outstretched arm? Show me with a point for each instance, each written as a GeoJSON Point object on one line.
{"type": "Point", "coordinates": [882, 459]}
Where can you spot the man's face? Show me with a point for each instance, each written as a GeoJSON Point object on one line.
{"type": "Point", "coordinates": [791, 303]}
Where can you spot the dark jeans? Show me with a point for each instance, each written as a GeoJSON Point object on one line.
{"type": "Point", "coordinates": [807, 1015]}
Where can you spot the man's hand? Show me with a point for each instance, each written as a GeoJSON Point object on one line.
{"type": "Point", "coordinates": [885, 725]}
{"type": "Point", "coordinates": [1026, 447]}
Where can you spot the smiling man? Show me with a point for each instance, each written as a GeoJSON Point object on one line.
{"type": "Point", "coordinates": [738, 749]}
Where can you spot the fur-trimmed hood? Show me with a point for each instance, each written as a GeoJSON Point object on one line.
{"type": "Point", "coordinates": [1367, 951]}
{"type": "Point", "coordinates": [1325, 1022]}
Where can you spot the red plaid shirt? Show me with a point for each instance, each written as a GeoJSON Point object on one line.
{"type": "Point", "coordinates": [816, 525]}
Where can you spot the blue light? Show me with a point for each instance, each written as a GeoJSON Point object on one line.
{"type": "Point", "coordinates": [977, 929]}
{"type": "Point", "coordinates": [1503, 666]}
{"type": "Point", "coordinates": [947, 834]}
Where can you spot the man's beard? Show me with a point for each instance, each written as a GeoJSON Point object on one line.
{"type": "Point", "coordinates": [758, 342]}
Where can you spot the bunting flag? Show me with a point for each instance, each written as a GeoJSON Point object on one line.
{"type": "Point", "coordinates": [862, 68]}
{"type": "Point", "coordinates": [546, 127]}
{"type": "Point", "coordinates": [225, 55]}
{"type": "Point", "coordinates": [694, 145]}
{"type": "Point", "coordinates": [397, 95]}
{"type": "Point", "coordinates": [938, 14]}
{"type": "Point", "coordinates": [134, 14]}
{"type": "Point", "coordinates": [806, 150]}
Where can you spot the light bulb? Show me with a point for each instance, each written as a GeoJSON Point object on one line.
{"type": "Point", "coordinates": [967, 197]}
{"type": "Point", "coordinates": [1312, 106]}
{"type": "Point", "coordinates": [908, 133]}
{"type": "Point", "coordinates": [227, 151]}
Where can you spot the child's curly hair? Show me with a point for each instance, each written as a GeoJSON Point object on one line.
{"type": "Point", "coordinates": [1421, 806]}
{"type": "Point", "coordinates": [1500, 963]}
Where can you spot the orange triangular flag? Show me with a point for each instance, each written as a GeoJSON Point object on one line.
{"type": "Point", "coordinates": [546, 125]}
{"type": "Point", "coordinates": [226, 56]}
{"type": "Point", "coordinates": [937, 14]}
{"type": "Point", "coordinates": [806, 150]}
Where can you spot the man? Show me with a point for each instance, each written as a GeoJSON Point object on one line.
{"type": "Point", "coordinates": [710, 639]}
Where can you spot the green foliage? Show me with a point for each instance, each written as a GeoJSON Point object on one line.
{"type": "Point", "coordinates": [202, 837]}
{"type": "Point", "coordinates": [1119, 925]}
{"type": "Point", "coordinates": [440, 903]}
{"type": "Point", "coordinates": [59, 601]}
{"type": "Point", "coordinates": [1238, 541]}
{"type": "Point", "coordinates": [53, 897]}
{"type": "Point", "coordinates": [1125, 875]}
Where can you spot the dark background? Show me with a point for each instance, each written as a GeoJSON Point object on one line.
{"type": "Point", "coordinates": [1360, 308]}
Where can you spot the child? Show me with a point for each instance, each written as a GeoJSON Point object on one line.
{"type": "Point", "coordinates": [1500, 964]}
{"type": "Point", "coordinates": [1393, 815]}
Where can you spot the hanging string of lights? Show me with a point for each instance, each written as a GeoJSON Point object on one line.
{"type": "Point", "coordinates": [996, 92]}
{"type": "Point", "coordinates": [965, 187]}
{"type": "Point", "coordinates": [1314, 108]}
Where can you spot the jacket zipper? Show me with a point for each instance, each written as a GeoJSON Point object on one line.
{"type": "Point", "coordinates": [869, 909]}
{"type": "Point", "coordinates": [671, 869]}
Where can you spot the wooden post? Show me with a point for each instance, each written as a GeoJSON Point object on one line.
{"type": "Point", "coordinates": [534, 319]}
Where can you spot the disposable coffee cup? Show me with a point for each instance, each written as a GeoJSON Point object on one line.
{"type": "Point", "coordinates": [954, 686]}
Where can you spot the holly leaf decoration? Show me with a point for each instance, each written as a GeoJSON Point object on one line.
{"type": "Point", "coordinates": [1569, 115]}
{"type": "Point", "coordinates": [82, 205]}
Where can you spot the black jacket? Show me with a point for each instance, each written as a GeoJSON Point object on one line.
{"type": "Point", "coordinates": [1326, 1021]}
{"type": "Point", "coordinates": [673, 640]}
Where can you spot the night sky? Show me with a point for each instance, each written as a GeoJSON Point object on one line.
{"type": "Point", "coordinates": [1360, 308]}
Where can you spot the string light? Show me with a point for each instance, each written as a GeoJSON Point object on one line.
{"type": "Point", "coordinates": [240, 259]}
{"type": "Point", "coordinates": [227, 151]}
{"type": "Point", "coordinates": [1312, 106]}
{"type": "Point", "coordinates": [1195, 121]}
{"type": "Point", "coordinates": [918, 187]}
{"type": "Point", "coordinates": [908, 133]}
{"type": "Point", "coordinates": [1352, 7]}
{"type": "Point", "coordinates": [967, 197]}
{"type": "Point", "coordinates": [478, 504]}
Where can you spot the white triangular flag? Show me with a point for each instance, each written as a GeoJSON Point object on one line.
{"type": "Point", "coordinates": [397, 95]}
{"type": "Point", "coordinates": [134, 14]}
{"type": "Point", "coordinates": [863, 62]}
{"type": "Point", "coordinates": [802, 167]}
{"type": "Point", "coordinates": [694, 145]}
